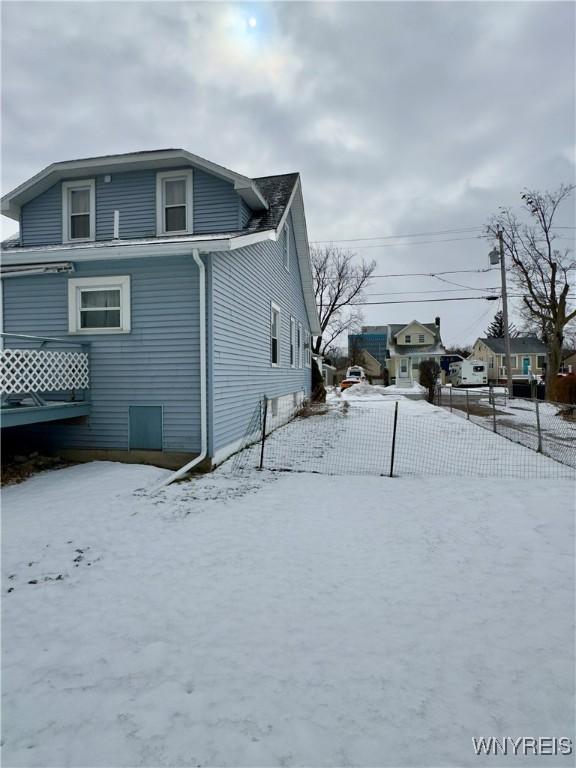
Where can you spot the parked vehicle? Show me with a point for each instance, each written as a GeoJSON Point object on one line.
{"type": "Point", "coordinates": [356, 372]}
{"type": "Point", "coordinates": [468, 373]}
{"type": "Point", "coordinates": [349, 382]}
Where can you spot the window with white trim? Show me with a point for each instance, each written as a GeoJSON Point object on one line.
{"type": "Point", "coordinates": [307, 349]}
{"type": "Point", "coordinates": [421, 338]}
{"type": "Point", "coordinates": [174, 202]}
{"type": "Point", "coordinates": [292, 342]}
{"type": "Point", "coordinates": [274, 335]}
{"type": "Point", "coordinates": [541, 361]}
{"type": "Point", "coordinates": [407, 338]}
{"type": "Point", "coordinates": [78, 211]}
{"type": "Point", "coordinates": [286, 246]}
{"type": "Point", "coordinates": [99, 304]}
{"type": "Point", "coordinates": [300, 346]}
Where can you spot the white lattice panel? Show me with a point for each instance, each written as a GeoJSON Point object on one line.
{"type": "Point", "coordinates": [41, 370]}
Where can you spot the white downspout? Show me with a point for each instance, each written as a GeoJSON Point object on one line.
{"type": "Point", "coordinates": [203, 378]}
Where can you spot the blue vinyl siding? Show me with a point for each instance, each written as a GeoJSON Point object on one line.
{"type": "Point", "coordinates": [133, 194]}
{"type": "Point", "coordinates": [41, 218]}
{"type": "Point", "coordinates": [244, 283]}
{"type": "Point", "coordinates": [215, 202]}
{"type": "Point", "coordinates": [156, 364]}
{"type": "Point", "coordinates": [245, 214]}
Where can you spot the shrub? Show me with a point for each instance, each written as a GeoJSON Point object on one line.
{"type": "Point", "coordinates": [429, 372]}
{"type": "Point", "coordinates": [565, 389]}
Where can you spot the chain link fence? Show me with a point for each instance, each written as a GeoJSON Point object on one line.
{"type": "Point", "coordinates": [547, 428]}
{"type": "Point", "coordinates": [388, 437]}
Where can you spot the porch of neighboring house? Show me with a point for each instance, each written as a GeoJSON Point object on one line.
{"type": "Point", "coordinates": [42, 379]}
{"type": "Point", "coordinates": [404, 370]}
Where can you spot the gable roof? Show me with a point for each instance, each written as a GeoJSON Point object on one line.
{"type": "Point", "coordinates": [518, 344]}
{"type": "Point", "coordinates": [129, 161]}
{"type": "Point", "coordinates": [395, 349]}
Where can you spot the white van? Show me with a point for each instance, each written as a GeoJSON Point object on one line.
{"type": "Point", "coordinates": [468, 373]}
{"type": "Point", "coordinates": [356, 372]}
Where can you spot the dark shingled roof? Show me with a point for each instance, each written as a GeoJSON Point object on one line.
{"type": "Point", "coordinates": [519, 344]}
{"type": "Point", "coordinates": [277, 191]}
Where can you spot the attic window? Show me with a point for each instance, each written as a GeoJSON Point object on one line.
{"type": "Point", "coordinates": [407, 338]}
{"type": "Point", "coordinates": [421, 338]}
{"type": "Point", "coordinates": [174, 202]}
{"type": "Point", "coordinates": [78, 211]}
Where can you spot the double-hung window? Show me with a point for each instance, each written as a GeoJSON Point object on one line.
{"type": "Point", "coordinates": [421, 338]}
{"type": "Point", "coordinates": [78, 211]}
{"type": "Point", "coordinates": [292, 342]}
{"type": "Point", "coordinates": [407, 338]}
{"type": "Point", "coordinates": [307, 349]}
{"type": "Point", "coordinates": [274, 335]}
{"type": "Point", "coordinates": [300, 345]}
{"type": "Point", "coordinates": [174, 202]}
{"type": "Point", "coordinates": [99, 304]}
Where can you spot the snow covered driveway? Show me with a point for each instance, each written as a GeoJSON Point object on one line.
{"type": "Point", "coordinates": [294, 619]}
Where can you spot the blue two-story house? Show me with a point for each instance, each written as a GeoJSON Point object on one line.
{"type": "Point", "coordinates": [149, 301]}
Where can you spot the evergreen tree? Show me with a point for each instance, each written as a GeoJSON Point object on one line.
{"type": "Point", "coordinates": [496, 328]}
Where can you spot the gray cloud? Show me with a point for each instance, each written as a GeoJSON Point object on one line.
{"type": "Point", "coordinates": [401, 117]}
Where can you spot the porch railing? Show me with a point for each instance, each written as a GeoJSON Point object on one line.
{"type": "Point", "coordinates": [36, 370]}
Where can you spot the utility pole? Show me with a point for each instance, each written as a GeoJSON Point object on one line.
{"type": "Point", "coordinates": [505, 313]}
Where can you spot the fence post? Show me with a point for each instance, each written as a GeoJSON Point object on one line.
{"type": "Point", "coordinates": [539, 449]}
{"type": "Point", "coordinates": [394, 439]}
{"type": "Point", "coordinates": [264, 414]}
{"type": "Point", "coordinates": [467, 407]}
{"type": "Point", "coordinates": [450, 390]}
{"type": "Point", "coordinates": [493, 407]}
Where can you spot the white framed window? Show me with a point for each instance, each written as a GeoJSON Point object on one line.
{"type": "Point", "coordinates": [274, 335]}
{"type": "Point", "coordinates": [421, 338]}
{"type": "Point", "coordinates": [407, 338]}
{"type": "Point", "coordinates": [99, 304]}
{"type": "Point", "coordinates": [292, 343]}
{"type": "Point", "coordinates": [307, 349]}
{"type": "Point", "coordinates": [286, 246]}
{"type": "Point", "coordinates": [78, 211]}
{"type": "Point", "coordinates": [300, 346]}
{"type": "Point", "coordinates": [541, 361]}
{"type": "Point", "coordinates": [174, 205]}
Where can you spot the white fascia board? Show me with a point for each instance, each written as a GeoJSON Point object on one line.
{"type": "Point", "coordinates": [40, 182]}
{"type": "Point", "coordinates": [112, 249]}
{"type": "Point", "coordinates": [303, 252]}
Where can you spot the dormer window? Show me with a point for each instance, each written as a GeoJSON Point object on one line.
{"type": "Point", "coordinates": [174, 202]}
{"type": "Point", "coordinates": [78, 211]}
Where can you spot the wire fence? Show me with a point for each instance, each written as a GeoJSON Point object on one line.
{"type": "Point", "coordinates": [547, 428]}
{"type": "Point", "coordinates": [388, 437]}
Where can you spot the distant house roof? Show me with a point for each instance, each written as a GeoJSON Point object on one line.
{"type": "Point", "coordinates": [518, 345]}
{"type": "Point", "coordinates": [376, 329]}
{"type": "Point", "coordinates": [396, 349]}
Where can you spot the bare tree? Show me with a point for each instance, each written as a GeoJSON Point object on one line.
{"type": "Point", "coordinates": [540, 269]}
{"type": "Point", "coordinates": [339, 281]}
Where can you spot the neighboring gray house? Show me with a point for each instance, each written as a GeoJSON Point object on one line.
{"type": "Point", "coordinates": [528, 356]}
{"type": "Point", "coordinates": [182, 290]}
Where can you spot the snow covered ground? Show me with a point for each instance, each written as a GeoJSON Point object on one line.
{"type": "Point", "coordinates": [286, 619]}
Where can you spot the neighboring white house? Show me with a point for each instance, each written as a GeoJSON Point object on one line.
{"type": "Point", "coordinates": [408, 345]}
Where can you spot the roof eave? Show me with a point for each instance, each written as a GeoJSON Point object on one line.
{"type": "Point", "coordinates": [40, 182]}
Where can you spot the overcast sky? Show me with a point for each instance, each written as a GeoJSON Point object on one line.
{"type": "Point", "coordinates": [401, 117]}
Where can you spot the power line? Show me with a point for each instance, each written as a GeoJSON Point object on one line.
{"type": "Point", "coordinates": [396, 237]}
{"type": "Point", "coordinates": [437, 290]}
{"type": "Point", "coordinates": [422, 301]}
{"type": "Point", "coordinates": [418, 242]}
{"type": "Point", "coordinates": [460, 230]}
{"type": "Point", "coordinates": [429, 274]}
